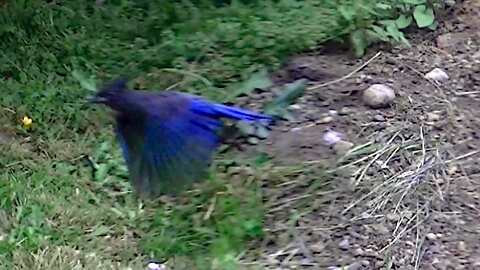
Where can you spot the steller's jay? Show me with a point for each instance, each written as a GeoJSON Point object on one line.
{"type": "Point", "coordinates": [167, 138]}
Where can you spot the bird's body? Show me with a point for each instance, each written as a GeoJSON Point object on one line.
{"type": "Point", "coordinates": [167, 138]}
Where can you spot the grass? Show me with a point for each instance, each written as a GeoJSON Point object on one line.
{"type": "Point", "coordinates": [65, 199]}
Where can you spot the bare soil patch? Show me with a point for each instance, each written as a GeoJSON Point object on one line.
{"type": "Point", "coordinates": [407, 195]}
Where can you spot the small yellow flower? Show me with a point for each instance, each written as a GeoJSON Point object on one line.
{"type": "Point", "coordinates": [26, 121]}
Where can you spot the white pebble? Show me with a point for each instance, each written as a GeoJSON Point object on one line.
{"type": "Point", "coordinates": [326, 119]}
{"type": "Point", "coordinates": [155, 266]}
{"type": "Point", "coordinates": [431, 236]}
{"type": "Point", "coordinates": [332, 137]}
{"type": "Point", "coordinates": [437, 75]}
{"type": "Point", "coordinates": [378, 95]}
{"type": "Point", "coordinates": [295, 107]}
{"type": "Point", "coordinates": [344, 244]}
{"type": "Point", "coordinates": [332, 113]}
{"type": "Point", "coordinates": [318, 247]}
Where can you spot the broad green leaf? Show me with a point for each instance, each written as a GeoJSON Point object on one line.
{"type": "Point", "coordinates": [387, 22]}
{"type": "Point", "coordinates": [383, 6]}
{"type": "Point", "coordinates": [258, 80]}
{"type": "Point", "coordinates": [433, 26]}
{"type": "Point", "coordinates": [252, 227]}
{"type": "Point", "coordinates": [101, 230]}
{"type": "Point", "coordinates": [101, 172]}
{"type": "Point", "coordinates": [393, 31]}
{"type": "Point", "coordinates": [86, 83]}
{"type": "Point", "coordinates": [414, 2]}
{"type": "Point", "coordinates": [373, 36]}
{"type": "Point", "coordinates": [286, 96]}
{"type": "Point", "coordinates": [368, 9]}
{"type": "Point", "coordinates": [289, 93]}
{"type": "Point", "coordinates": [404, 40]}
{"type": "Point", "coordinates": [348, 12]}
{"type": "Point", "coordinates": [22, 77]}
{"type": "Point", "coordinates": [260, 158]}
{"type": "Point", "coordinates": [403, 21]}
{"type": "Point", "coordinates": [359, 42]}
{"type": "Point", "coordinates": [380, 32]}
{"type": "Point", "coordinates": [423, 16]}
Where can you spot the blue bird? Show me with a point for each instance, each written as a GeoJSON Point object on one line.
{"type": "Point", "coordinates": [167, 138]}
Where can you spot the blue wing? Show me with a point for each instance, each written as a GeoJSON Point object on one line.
{"type": "Point", "coordinates": [171, 145]}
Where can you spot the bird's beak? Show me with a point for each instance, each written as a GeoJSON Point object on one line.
{"type": "Point", "coordinates": [94, 99]}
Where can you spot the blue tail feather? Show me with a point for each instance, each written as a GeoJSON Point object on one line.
{"type": "Point", "coordinates": [217, 110]}
{"type": "Point", "coordinates": [238, 114]}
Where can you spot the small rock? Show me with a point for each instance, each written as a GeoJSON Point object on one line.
{"type": "Point", "coordinates": [365, 215]}
{"type": "Point", "coordinates": [476, 55]}
{"type": "Point", "coordinates": [272, 260]}
{"type": "Point", "coordinates": [431, 236]}
{"type": "Point", "coordinates": [440, 181]}
{"type": "Point", "coordinates": [378, 264]}
{"type": "Point", "coordinates": [342, 147]}
{"type": "Point", "coordinates": [431, 116]}
{"type": "Point", "coordinates": [345, 111]}
{"type": "Point", "coordinates": [378, 96]}
{"type": "Point", "coordinates": [461, 247]}
{"type": "Point", "coordinates": [408, 214]}
{"type": "Point", "coordinates": [355, 235]}
{"type": "Point", "coordinates": [365, 262]}
{"type": "Point", "coordinates": [366, 78]}
{"type": "Point", "coordinates": [450, 3]}
{"type": "Point", "coordinates": [380, 228]}
{"type": "Point", "coordinates": [344, 244]}
{"type": "Point", "coordinates": [460, 222]}
{"type": "Point", "coordinates": [326, 119]}
{"type": "Point", "coordinates": [332, 137]}
{"type": "Point", "coordinates": [379, 118]}
{"type": "Point", "coordinates": [401, 261]}
{"type": "Point", "coordinates": [155, 266]}
{"type": "Point", "coordinates": [295, 107]}
{"type": "Point", "coordinates": [393, 217]}
{"type": "Point", "coordinates": [370, 252]}
{"type": "Point", "coordinates": [332, 113]}
{"type": "Point", "coordinates": [358, 252]}
{"type": "Point", "coordinates": [234, 170]}
{"type": "Point", "coordinates": [435, 249]}
{"type": "Point", "coordinates": [452, 169]}
{"type": "Point", "coordinates": [446, 263]}
{"type": "Point", "coordinates": [437, 75]}
{"type": "Point", "coordinates": [318, 247]}
{"type": "Point", "coordinates": [354, 266]}
{"type": "Point", "coordinates": [333, 268]}
{"type": "Point", "coordinates": [324, 104]}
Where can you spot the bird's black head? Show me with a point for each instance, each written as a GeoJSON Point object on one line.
{"type": "Point", "coordinates": [110, 93]}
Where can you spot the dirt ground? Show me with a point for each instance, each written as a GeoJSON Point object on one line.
{"type": "Point", "coordinates": [406, 196]}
